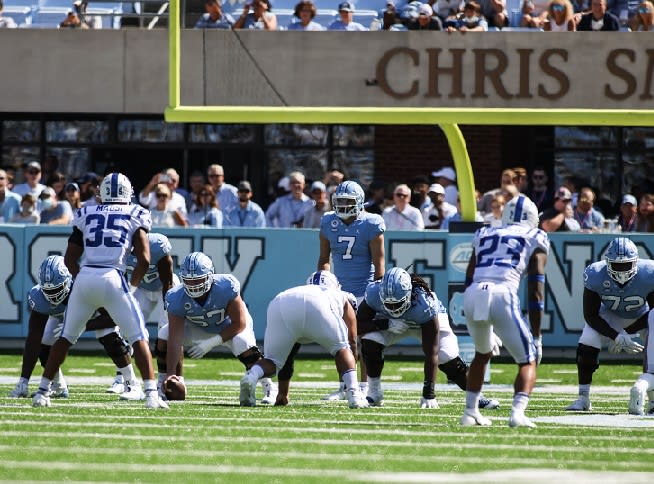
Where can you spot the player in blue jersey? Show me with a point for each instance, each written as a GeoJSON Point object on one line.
{"type": "Point", "coordinates": [501, 256]}
{"type": "Point", "coordinates": [402, 305]}
{"type": "Point", "coordinates": [206, 311]}
{"type": "Point", "coordinates": [103, 236]}
{"type": "Point", "coordinates": [354, 239]}
{"type": "Point", "coordinates": [618, 293]}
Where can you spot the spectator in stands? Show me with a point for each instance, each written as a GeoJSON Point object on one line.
{"type": "Point", "coordinates": [570, 220]}
{"type": "Point", "coordinates": [458, 217]}
{"type": "Point", "coordinates": [494, 218]}
{"type": "Point", "coordinates": [579, 7]}
{"type": "Point", "coordinates": [88, 186]}
{"type": "Point", "coordinates": [32, 185]}
{"type": "Point", "coordinates": [72, 194]}
{"type": "Point", "coordinates": [507, 178]}
{"type": "Point", "coordinates": [402, 216]}
{"type": "Point", "coordinates": [312, 216]}
{"type": "Point", "coordinates": [521, 180]}
{"type": "Point", "coordinates": [58, 181]}
{"type": "Point", "coordinates": [643, 21]}
{"type": "Point", "coordinates": [598, 19]}
{"type": "Point", "coordinates": [560, 17]}
{"type": "Point", "coordinates": [246, 213]}
{"type": "Point", "coordinates": [471, 20]}
{"type": "Point", "coordinates": [376, 197]}
{"type": "Point", "coordinates": [196, 183]}
{"type": "Point", "coordinates": [287, 211]}
{"type": "Point", "coordinates": [28, 213]}
{"type": "Point", "coordinates": [390, 15]}
{"type": "Point", "coordinates": [261, 17]}
{"type": "Point", "coordinates": [554, 219]}
{"type": "Point", "coordinates": [205, 211]}
{"type": "Point", "coordinates": [586, 214]}
{"type": "Point", "coordinates": [440, 210]}
{"type": "Point", "coordinates": [539, 192]}
{"type": "Point", "coordinates": [214, 18]}
{"type": "Point", "coordinates": [628, 214]}
{"type": "Point", "coordinates": [344, 21]}
{"type": "Point", "coordinates": [446, 9]}
{"type": "Point", "coordinates": [89, 21]}
{"type": "Point", "coordinates": [73, 21]}
{"type": "Point", "coordinates": [495, 12]}
{"type": "Point", "coordinates": [426, 19]}
{"type": "Point", "coordinates": [509, 192]}
{"type": "Point", "coordinates": [305, 11]}
{"type": "Point", "coordinates": [419, 189]}
{"type": "Point", "coordinates": [226, 194]}
{"type": "Point", "coordinates": [54, 212]}
{"type": "Point", "coordinates": [9, 201]}
{"type": "Point", "coordinates": [6, 22]}
{"type": "Point", "coordinates": [171, 178]}
{"type": "Point", "coordinates": [163, 215]}
{"type": "Point", "coordinates": [332, 179]}
{"type": "Point", "coordinates": [645, 220]}
{"type": "Point", "coordinates": [408, 18]}
{"type": "Point", "coordinates": [533, 15]}
{"type": "Point", "coordinates": [447, 178]}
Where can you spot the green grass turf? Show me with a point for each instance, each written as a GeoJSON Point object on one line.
{"type": "Point", "coordinates": [208, 438]}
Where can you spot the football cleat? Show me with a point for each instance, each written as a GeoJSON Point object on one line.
{"type": "Point", "coordinates": [472, 417]}
{"type": "Point", "coordinates": [488, 403]}
{"type": "Point", "coordinates": [355, 399]}
{"type": "Point", "coordinates": [519, 419]}
{"type": "Point", "coordinates": [59, 388]}
{"type": "Point", "coordinates": [581, 404]}
{"type": "Point", "coordinates": [152, 400]}
{"type": "Point", "coordinates": [269, 391]}
{"type": "Point", "coordinates": [20, 391]}
{"type": "Point", "coordinates": [40, 400]}
{"type": "Point", "coordinates": [118, 386]}
{"type": "Point", "coordinates": [637, 397]}
{"type": "Point", "coordinates": [375, 398]}
{"type": "Point", "coordinates": [133, 392]}
{"type": "Point", "coordinates": [650, 408]}
{"type": "Point", "coordinates": [247, 397]}
{"type": "Point", "coordinates": [339, 394]}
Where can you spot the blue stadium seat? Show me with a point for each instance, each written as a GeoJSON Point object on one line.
{"type": "Point", "coordinates": [284, 17]}
{"type": "Point", "coordinates": [20, 15]}
{"type": "Point", "coordinates": [514, 10]}
{"type": "Point", "coordinates": [49, 17]}
{"type": "Point", "coordinates": [364, 17]}
{"type": "Point", "coordinates": [325, 17]}
{"type": "Point", "coordinates": [20, 3]}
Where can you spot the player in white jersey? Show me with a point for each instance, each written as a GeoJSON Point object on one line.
{"type": "Point", "coordinates": [103, 236]}
{"type": "Point", "coordinates": [644, 386]}
{"type": "Point", "coordinates": [501, 256]}
{"type": "Point", "coordinates": [618, 294]}
{"type": "Point", "coordinates": [318, 312]}
{"type": "Point", "coordinates": [354, 239]}
{"type": "Point", "coordinates": [206, 311]}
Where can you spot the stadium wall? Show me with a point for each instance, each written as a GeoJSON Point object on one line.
{"type": "Point", "coordinates": [268, 261]}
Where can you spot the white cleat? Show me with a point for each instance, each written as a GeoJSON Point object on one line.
{"type": "Point", "coordinates": [637, 397]}
{"type": "Point", "coordinates": [269, 391]}
{"type": "Point", "coordinates": [488, 403]}
{"type": "Point", "coordinates": [133, 392]}
{"type": "Point", "coordinates": [519, 419]}
{"type": "Point", "coordinates": [117, 387]}
{"type": "Point", "coordinates": [581, 404]}
{"type": "Point", "coordinates": [152, 400]}
{"type": "Point", "coordinates": [339, 394]}
{"type": "Point", "coordinates": [247, 397]}
{"type": "Point", "coordinates": [21, 390]}
{"type": "Point", "coordinates": [375, 398]}
{"type": "Point", "coordinates": [59, 388]}
{"type": "Point", "coordinates": [473, 417]}
{"type": "Point", "coordinates": [355, 399]}
{"type": "Point", "coordinates": [40, 400]}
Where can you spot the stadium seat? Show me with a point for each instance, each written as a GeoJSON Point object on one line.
{"type": "Point", "coordinates": [514, 10]}
{"type": "Point", "coordinates": [364, 17]}
{"type": "Point", "coordinates": [325, 17]}
{"type": "Point", "coordinates": [20, 15]}
{"type": "Point", "coordinates": [285, 17]}
{"type": "Point", "coordinates": [49, 17]}
{"type": "Point", "coordinates": [20, 3]}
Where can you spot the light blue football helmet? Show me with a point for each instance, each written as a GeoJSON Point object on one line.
{"type": "Point", "coordinates": [324, 279]}
{"type": "Point", "coordinates": [348, 199]}
{"type": "Point", "coordinates": [55, 279]}
{"type": "Point", "coordinates": [196, 272]}
{"type": "Point", "coordinates": [395, 291]}
{"type": "Point", "coordinates": [621, 260]}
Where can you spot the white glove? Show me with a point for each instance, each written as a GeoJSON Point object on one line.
{"type": "Point", "coordinates": [428, 402]}
{"type": "Point", "coordinates": [538, 343]}
{"type": "Point", "coordinates": [614, 347]}
{"type": "Point", "coordinates": [56, 331]}
{"type": "Point", "coordinates": [625, 343]}
{"type": "Point", "coordinates": [397, 326]}
{"type": "Point", "coordinates": [202, 347]}
{"type": "Point", "coordinates": [497, 344]}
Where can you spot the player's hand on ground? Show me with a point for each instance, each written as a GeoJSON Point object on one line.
{"type": "Point", "coordinates": [428, 402]}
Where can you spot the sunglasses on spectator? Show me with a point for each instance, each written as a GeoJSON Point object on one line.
{"type": "Point", "coordinates": [162, 195]}
{"type": "Point", "coordinates": [401, 195]}
{"type": "Point", "coordinates": [643, 10]}
{"type": "Point", "coordinates": [33, 172]}
{"type": "Point", "coordinates": [558, 8]}
{"type": "Point", "coordinates": [214, 175]}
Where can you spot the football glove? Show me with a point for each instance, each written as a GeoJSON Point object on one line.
{"type": "Point", "coordinates": [428, 402]}
{"type": "Point", "coordinates": [202, 347]}
{"type": "Point", "coordinates": [56, 331]}
{"type": "Point", "coordinates": [497, 344]}
{"type": "Point", "coordinates": [626, 344]}
{"type": "Point", "coordinates": [538, 343]}
{"type": "Point", "coordinates": [397, 326]}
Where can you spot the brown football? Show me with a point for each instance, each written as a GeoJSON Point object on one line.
{"type": "Point", "coordinates": [174, 388]}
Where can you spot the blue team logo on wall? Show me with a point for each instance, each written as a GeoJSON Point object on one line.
{"type": "Point", "coordinates": [460, 255]}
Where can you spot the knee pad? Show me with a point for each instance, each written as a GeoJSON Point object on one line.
{"type": "Point", "coordinates": [287, 370]}
{"type": "Point", "coordinates": [587, 357]}
{"type": "Point", "coordinates": [254, 355]}
{"type": "Point", "coordinates": [114, 345]}
{"type": "Point", "coordinates": [43, 354]}
{"type": "Point", "coordinates": [372, 351]}
{"type": "Point", "coordinates": [454, 369]}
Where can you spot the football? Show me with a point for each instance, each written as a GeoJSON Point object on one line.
{"type": "Point", "coordinates": [174, 388]}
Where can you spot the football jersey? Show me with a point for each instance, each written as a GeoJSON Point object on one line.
{"type": "Point", "coordinates": [350, 248]}
{"type": "Point", "coordinates": [423, 308]}
{"type": "Point", "coordinates": [159, 248]}
{"type": "Point", "coordinates": [212, 315]}
{"type": "Point", "coordinates": [503, 253]}
{"type": "Point", "coordinates": [628, 301]}
{"type": "Point", "coordinates": [107, 231]}
{"type": "Point", "coordinates": [40, 304]}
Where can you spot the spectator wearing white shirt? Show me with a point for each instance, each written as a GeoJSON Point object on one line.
{"type": "Point", "coordinates": [447, 178]}
{"type": "Point", "coordinates": [345, 22]}
{"type": "Point", "coordinates": [402, 216]}
{"type": "Point", "coordinates": [170, 177]}
{"type": "Point", "coordinates": [32, 185]}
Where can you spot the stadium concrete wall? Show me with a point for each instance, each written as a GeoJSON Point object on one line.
{"type": "Point", "coordinates": [126, 71]}
{"type": "Point", "coordinates": [268, 261]}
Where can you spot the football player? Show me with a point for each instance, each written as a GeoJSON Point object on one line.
{"type": "Point", "coordinates": [318, 312]}
{"type": "Point", "coordinates": [206, 311]}
{"type": "Point", "coordinates": [355, 241]}
{"type": "Point", "coordinates": [402, 305]}
{"type": "Point", "coordinates": [501, 256]}
{"type": "Point", "coordinates": [618, 294]}
{"type": "Point", "coordinates": [644, 386]}
{"type": "Point", "coordinates": [103, 236]}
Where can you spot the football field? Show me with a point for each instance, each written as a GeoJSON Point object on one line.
{"type": "Point", "coordinates": [94, 437]}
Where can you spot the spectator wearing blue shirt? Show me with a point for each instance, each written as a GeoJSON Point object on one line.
{"type": "Point", "coordinates": [53, 211]}
{"type": "Point", "coordinates": [215, 18]}
{"type": "Point", "coordinates": [287, 211]}
{"type": "Point", "coordinates": [9, 201]}
{"type": "Point", "coordinates": [247, 213]}
{"type": "Point", "coordinates": [305, 11]}
{"type": "Point", "coordinates": [345, 22]}
{"type": "Point", "coordinates": [225, 193]}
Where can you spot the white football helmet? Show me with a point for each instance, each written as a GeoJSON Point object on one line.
{"type": "Point", "coordinates": [55, 279]}
{"type": "Point", "coordinates": [196, 272]}
{"type": "Point", "coordinates": [324, 279]}
{"type": "Point", "coordinates": [395, 291]}
{"type": "Point", "coordinates": [520, 210]}
{"type": "Point", "coordinates": [348, 199]}
{"type": "Point", "coordinates": [116, 188]}
{"type": "Point", "coordinates": [621, 260]}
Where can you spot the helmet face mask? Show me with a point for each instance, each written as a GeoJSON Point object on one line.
{"type": "Point", "coordinates": [196, 272]}
{"type": "Point", "coordinates": [621, 260]}
{"type": "Point", "coordinates": [395, 292]}
{"type": "Point", "coordinates": [324, 279]}
{"type": "Point", "coordinates": [116, 188]}
{"type": "Point", "coordinates": [520, 210]}
{"type": "Point", "coordinates": [55, 279]}
{"type": "Point", "coordinates": [348, 200]}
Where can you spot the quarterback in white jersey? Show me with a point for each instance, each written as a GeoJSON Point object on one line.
{"type": "Point", "coordinates": [103, 236]}
{"type": "Point", "coordinates": [319, 312]}
{"type": "Point", "coordinates": [500, 258]}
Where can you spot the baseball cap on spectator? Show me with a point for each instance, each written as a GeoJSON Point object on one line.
{"type": "Point", "coordinates": [563, 194]}
{"type": "Point", "coordinates": [446, 172]}
{"type": "Point", "coordinates": [33, 165]}
{"type": "Point", "coordinates": [47, 192]}
{"type": "Point", "coordinates": [71, 186]}
{"type": "Point", "coordinates": [318, 185]}
{"type": "Point", "coordinates": [284, 183]}
{"type": "Point", "coordinates": [425, 9]}
{"type": "Point", "coordinates": [244, 186]}
{"type": "Point", "coordinates": [629, 199]}
{"type": "Point", "coordinates": [345, 7]}
{"type": "Point", "coordinates": [437, 188]}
